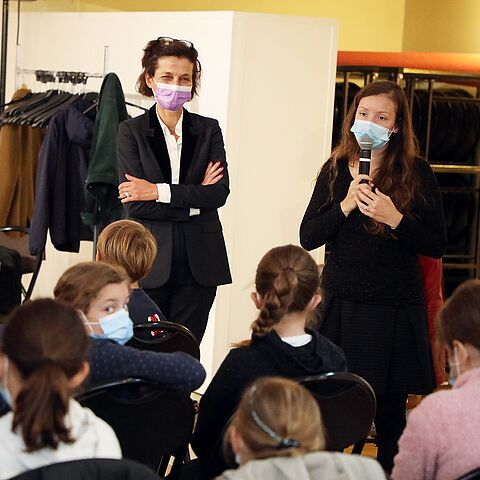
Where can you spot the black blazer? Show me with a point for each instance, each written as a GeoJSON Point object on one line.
{"type": "Point", "coordinates": [142, 152]}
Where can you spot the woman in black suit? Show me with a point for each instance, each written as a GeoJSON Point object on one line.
{"type": "Point", "coordinates": [174, 177]}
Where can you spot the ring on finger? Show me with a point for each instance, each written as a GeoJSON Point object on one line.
{"type": "Point", "coordinates": [127, 194]}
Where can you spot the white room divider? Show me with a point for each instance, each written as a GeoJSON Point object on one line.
{"type": "Point", "coordinates": [268, 79]}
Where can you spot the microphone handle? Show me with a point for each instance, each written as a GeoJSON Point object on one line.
{"type": "Point", "coordinates": [364, 163]}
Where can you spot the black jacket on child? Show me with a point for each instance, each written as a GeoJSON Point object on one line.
{"type": "Point", "coordinates": [267, 355]}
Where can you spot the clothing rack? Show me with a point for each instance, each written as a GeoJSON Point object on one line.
{"type": "Point", "coordinates": [63, 76]}
{"type": "Point", "coordinates": [46, 76]}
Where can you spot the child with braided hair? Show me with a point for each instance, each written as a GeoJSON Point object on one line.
{"type": "Point", "coordinates": [287, 293]}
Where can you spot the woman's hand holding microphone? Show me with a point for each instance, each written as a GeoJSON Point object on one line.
{"type": "Point", "coordinates": [371, 202]}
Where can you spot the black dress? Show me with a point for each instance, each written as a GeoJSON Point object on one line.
{"type": "Point", "coordinates": [373, 305]}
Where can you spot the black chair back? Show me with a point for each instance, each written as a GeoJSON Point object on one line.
{"type": "Point", "coordinates": [164, 337]}
{"type": "Point", "coordinates": [91, 469]}
{"type": "Point", "coordinates": [347, 404]}
{"type": "Point", "coordinates": [17, 238]}
{"type": "Point", "coordinates": [152, 423]}
{"type": "Point", "coordinates": [473, 475]}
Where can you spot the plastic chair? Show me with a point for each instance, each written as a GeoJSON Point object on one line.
{"type": "Point", "coordinates": [347, 403]}
{"type": "Point", "coordinates": [152, 423]}
{"type": "Point", "coordinates": [164, 337]}
{"type": "Point", "coordinates": [28, 263]}
{"type": "Point", "coordinates": [91, 469]}
{"type": "Point", "coordinates": [473, 475]}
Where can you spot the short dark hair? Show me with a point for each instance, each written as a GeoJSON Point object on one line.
{"type": "Point", "coordinates": [160, 47]}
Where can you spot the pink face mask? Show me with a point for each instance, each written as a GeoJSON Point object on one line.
{"type": "Point", "coordinates": [172, 97]}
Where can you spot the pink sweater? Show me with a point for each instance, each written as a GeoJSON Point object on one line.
{"type": "Point", "coordinates": [442, 437]}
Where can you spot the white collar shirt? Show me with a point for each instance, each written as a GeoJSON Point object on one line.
{"type": "Point", "coordinates": [174, 148]}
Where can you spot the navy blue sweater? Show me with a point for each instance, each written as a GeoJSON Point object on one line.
{"type": "Point", "coordinates": [111, 361]}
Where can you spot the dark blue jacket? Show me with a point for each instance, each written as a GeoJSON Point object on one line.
{"type": "Point", "coordinates": [61, 175]}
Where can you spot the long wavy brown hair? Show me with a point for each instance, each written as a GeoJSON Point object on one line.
{"type": "Point", "coordinates": [396, 176]}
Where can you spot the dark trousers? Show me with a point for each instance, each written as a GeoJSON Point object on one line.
{"type": "Point", "coordinates": [390, 420]}
{"type": "Point", "coordinates": [183, 300]}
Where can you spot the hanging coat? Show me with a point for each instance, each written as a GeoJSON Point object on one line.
{"type": "Point", "coordinates": [102, 203]}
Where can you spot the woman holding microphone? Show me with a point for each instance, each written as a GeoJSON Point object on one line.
{"type": "Point", "coordinates": [375, 226]}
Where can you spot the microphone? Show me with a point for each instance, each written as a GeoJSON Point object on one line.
{"type": "Point", "coordinates": [365, 143]}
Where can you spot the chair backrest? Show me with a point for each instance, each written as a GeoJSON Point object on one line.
{"type": "Point", "coordinates": [473, 475]}
{"type": "Point", "coordinates": [90, 469]}
{"type": "Point", "coordinates": [17, 238]}
{"type": "Point", "coordinates": [347, 404]}
{"type": "Point", "coordinates": [165, 337]}
{"type": "Point", "coordinates": [150, 421]}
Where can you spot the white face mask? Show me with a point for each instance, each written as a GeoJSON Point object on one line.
{"type": "Point", "coordinates": [454, 368]}
{"type": "Point", "coordinates": [4, 391]}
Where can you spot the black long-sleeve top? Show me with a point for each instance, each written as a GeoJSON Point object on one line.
{"type": "Point", "coordinates": [267, 355]}
{"type": "Point", "coordinates": [371, 268]}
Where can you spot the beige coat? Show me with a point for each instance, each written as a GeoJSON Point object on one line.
{"type": "Point", "coordinates": [313, 466]}
{"type": "Point", "coordinates": [19, 148]}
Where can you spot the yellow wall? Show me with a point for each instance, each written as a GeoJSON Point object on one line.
{"type": "Point", "coordinates": [364, 25]}
{"type": "Point", "coordinates": [442, 26]}
{"type": "Point", "coordinates": [372, 25]}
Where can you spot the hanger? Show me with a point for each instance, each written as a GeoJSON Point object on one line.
{"type": "Point", "coordinates": [137, 106]}
{"type": "Point", "coordinates": [12, 102]}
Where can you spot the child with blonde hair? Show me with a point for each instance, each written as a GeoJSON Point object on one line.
{"type": "Point", "coordinates": [130, 245]}
{"type": "Point", "coordinates": [277, 434]}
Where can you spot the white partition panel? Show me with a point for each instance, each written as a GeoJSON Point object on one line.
{"type": "Point", "coordinates": [279, 130]}
{"type": "Point", "coordinates": [268, 79]}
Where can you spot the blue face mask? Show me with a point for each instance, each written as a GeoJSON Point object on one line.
{"type": "Point", "coordinates": [117, 327]}
{"type": "Point", "coordinates": [376, 133]}
{"type": "Point", "coordinates": [4, 392]}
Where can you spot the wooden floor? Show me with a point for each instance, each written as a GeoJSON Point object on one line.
{"type": "Point", "coordinates": [369, 450]}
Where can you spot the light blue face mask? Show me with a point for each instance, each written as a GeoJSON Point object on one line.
{"type": "Point", "coordinates": [378, 134]}
{"type": "Point", "coordinates": [454, 368]}
{"type": "Point", "coordinates": [117, 327]}
{"type": "Point", "coordinates": [4, 392]}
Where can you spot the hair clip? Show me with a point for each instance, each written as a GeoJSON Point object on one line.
{"type": "Point", "coordinates": [282, 442]}
{"type": "Point", "coordinates": [288, 443]}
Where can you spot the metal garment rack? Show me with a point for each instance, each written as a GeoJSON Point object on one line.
{"type": "Point", "coordinates": [3, 55]}
{"type": "Point", "coordinates": [64, 75]}
{"type": "Point", "coordinates": [411, 78]}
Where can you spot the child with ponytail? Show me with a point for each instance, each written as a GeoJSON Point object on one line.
{"type": "Point", "coordinates": [277, 434]}
{"type": "Point", "coordinates": [287, 293]}
{"type": "Point", "coordinates": [42, 361]}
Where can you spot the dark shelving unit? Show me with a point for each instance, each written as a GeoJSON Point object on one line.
{"type": "Point", "coordinates": [445, 110]}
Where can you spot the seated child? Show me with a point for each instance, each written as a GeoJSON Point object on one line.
{"type": "Point", "coordinates": [440, 439]}
{"type": "Point", "coordinates": [130, 245]}
{"type": "Point", "coordinates": [101, 292]}
{"type": "Point", "coordinates": [43, 359]}
{"type": "Point", "coordinates": [287, 293]}
{"type": "Point", "coordinates": [277, 433]}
